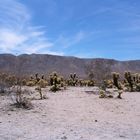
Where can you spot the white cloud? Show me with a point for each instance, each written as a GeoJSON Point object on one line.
{"type": "Point", "coordinates": [69, 41]}
{"type": "Point", "coordinates": [17, 35]}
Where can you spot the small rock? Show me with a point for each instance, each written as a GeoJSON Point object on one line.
{"type": "Point", "coordinates": [96, 121]}
{"type": "Point", "coordinates": [64, 138]}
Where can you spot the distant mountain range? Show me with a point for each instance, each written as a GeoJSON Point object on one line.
{"type": "Point", "coordinates": [45, 64]}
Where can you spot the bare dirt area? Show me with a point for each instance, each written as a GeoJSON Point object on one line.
{"type": "Point", "coordinates": [72, 114]}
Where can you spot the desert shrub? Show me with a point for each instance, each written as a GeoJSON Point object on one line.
{"type": "Point", "coordinates": [19, 99]}
{"type": "Point", "coordinates": [3, 84]}
{"type": "Point", "coordinates": [6, 81]}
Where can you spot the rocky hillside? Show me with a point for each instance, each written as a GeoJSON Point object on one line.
{"type": "Point", "coordinates": [44, 63]}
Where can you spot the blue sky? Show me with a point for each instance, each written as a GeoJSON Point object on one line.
{"type": "Point", "coordinates": [82, 28]}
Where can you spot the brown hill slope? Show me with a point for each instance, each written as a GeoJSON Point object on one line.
{"type": "Point", "coordinates": [44, 63]}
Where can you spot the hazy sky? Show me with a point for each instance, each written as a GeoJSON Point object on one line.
{"type": "Point", "coordinates": [82, 28]}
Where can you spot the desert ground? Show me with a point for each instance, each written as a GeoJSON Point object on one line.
{"type": "Point", "coordinates": [76, 113]}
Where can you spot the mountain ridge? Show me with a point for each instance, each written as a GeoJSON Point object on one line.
{"type": "Point", "coordinates": [46, 63]}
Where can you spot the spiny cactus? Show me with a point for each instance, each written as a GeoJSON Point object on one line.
{"type": "Point", "coordinates": [138, 87]}
{"type": "Point", "coordinates": [90, 83]}
{"type": "Point", "coordinates": [42, 77]}
{"type": "Point", "coordinates": [136, 80]}
{"type": "Point", "coordinates": [129, 79]}
{"type": "Point", "coordinates": [120, 93]}
{"type": "Point", "coordinates": [37, 77]}
{"type": "Point", "coordinates": [102, 94]}
{"type": "Point", "coordinates": [109, 83]}
{"type": "Point", "coordinates": [73, 80]}
{"type": "Point", "coordinates": [116, 77]}
{"type": "Point", "coordinates": [55, 82]}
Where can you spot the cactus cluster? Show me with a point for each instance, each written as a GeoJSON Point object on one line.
{"type": "Point", "coordinates": [116, 82]}
{"type": "Point", "coordinates": [56, 82]}
{"type": "Point", "coordinates": [73, 80]}
{"type": "Point", "coordinates": [129, 80]}
{"type": "Point", "coordinates": [82, 83]}
{"type": "Point", "coordinates": [108, 83]}
{"type": "Point", "coordinates": [132, 81]}
{"type": "Point", "coordinates": [37, 81]}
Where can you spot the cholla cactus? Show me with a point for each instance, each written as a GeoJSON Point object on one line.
{"type": "Point", "coordinates": [42, 77]}
{"type": "Point", "coordinates": [102, 94]}
{"type": "Point", "coordinates": [36, 77]}
{"type": "Point", "coordinates": [73, 80]}
{"type": "Point", "coordinates": [136, 80]}
{"type": "Point", "coordinates": [31, 82]}
{"type": "Point", "coordinates": [109, 83]}
{"type": "Point", "coordinates": [138, 87]}
{"type": "Point", "coordinates": [55, 82]}
{"type": "Point", "coordinates": [129, 79]}
{"type": "Point", "coordinates": [90, 83]}
{"type": "Point", "coordinates": [120, 93]}
{"type": "Point", "coordinates": [116, 77]}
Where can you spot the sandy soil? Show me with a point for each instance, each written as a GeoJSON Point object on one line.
{"type": "Point", "coordinates": [72, 115]}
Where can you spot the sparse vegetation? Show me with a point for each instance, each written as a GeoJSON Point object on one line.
{"type": "Point", "coordinates": [16, 83]}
